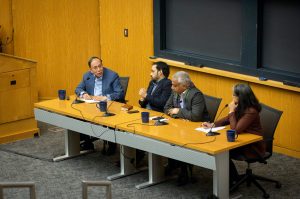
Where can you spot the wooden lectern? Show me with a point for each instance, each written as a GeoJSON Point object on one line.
{"type": "Point", "coordinates": [18, 93]}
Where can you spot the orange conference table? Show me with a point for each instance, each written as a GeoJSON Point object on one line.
{"type": "Point", "coordinates": [179, 140]}
{"type": "Point", "coordinates": [83, 118]}
{"type": "Point", "coordinates": [168, 141]}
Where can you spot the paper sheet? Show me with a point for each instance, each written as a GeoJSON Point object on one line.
{"type": "Point", "coordinates": [88, 101]}
{"type": "Point", "coordinates": [206, 130]}
{"type": "Point", "coordinates": [161, 120]}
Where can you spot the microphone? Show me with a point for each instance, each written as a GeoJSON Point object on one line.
{"type": "Point", "coordinates": [210, 132]}
{"type": "Point", "coordinates": [77, 101]}
{"type": "Point", "coordinates": [159, 117]}
{"type": "Point", "coordinates": [160, 121]}
{"type": "Point", "coordinates": [107, 114]}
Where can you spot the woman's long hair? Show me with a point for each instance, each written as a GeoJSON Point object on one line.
{"type": "Point", "coordinates": [247, 99]}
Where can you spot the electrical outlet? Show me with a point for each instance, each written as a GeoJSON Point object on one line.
{"type": "Point", "coordinates": [125, 32]}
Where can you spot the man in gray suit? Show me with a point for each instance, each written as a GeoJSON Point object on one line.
{"type": "Point", "coordinates": [186, 102]}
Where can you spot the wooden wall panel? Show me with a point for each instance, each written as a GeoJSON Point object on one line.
{"type": "Point", "coordinates": [129, 56]}
{"type": "Point", "coordinates": [60, 35]}
{"type": "Point", "coordinates": [6, 29]}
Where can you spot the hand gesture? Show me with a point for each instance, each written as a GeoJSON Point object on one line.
{"type": "Point", "coordinates": [232, 106]}
{"type": "Point", "coordinates": [207, 125]}
{"type": "Point", "coordinates": [99, 98]}
{"type": "Point", "coordinates": [86, 96]}
{"type": "Point", "coordinates": [173, 111]}
{"type": "Point", "coordinates": [143, 93]}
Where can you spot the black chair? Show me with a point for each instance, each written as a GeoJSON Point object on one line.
{"type": "Point", "coordinates": [269, 120]}
{"type": "Point", "coordinates": [212, 105]}
{"type": "Point", "coordinates": [124, 83]}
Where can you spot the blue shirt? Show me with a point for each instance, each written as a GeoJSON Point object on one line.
{"type": "Point", "coordinates": [98, 86]}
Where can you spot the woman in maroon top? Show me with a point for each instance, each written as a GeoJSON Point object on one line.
{"type": "Point", "coordinates": [243, 117]}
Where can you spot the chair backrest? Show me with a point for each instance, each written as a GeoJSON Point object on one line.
{"type": "Point", "coordinates": [86, 184]}
{"type": "Point", "coordinates": [124, 83]}
{"type": "Point", "coordinates": [30, 185]}
{"type": "Point", "coordinates": [269, 118]}
{"type": "Point", "coordinates": [212, 105]}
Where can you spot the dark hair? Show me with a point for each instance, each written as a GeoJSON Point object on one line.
{"type": "Point", "coordinates": [92, 58]}
{"type": "Point", "coordinates": [163, 67]}
{"type": "Point", "coordinates": [247, 99]}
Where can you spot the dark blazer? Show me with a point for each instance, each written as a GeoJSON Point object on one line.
{"type": "Point", "coordinates": [248, 123]}
{"type": "Point", "coordinates": [159, 97]}
{"type": "Point", "coordinates": [110, 85]}
{"type": "Point", "coordinates": [194, 105]}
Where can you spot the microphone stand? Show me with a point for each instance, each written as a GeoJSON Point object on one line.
{"type": "Point", "coordinates": [210, 132]}
{"type": "Point", "coordinates": [77, 101]}
{"type": "Point", "coordinates": [107, 114]}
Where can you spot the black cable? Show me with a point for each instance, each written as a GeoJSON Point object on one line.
{"type": "Point", "coordinates": [130, 125]}
{"type": "Point", "coordinates": [94, 133]}
{"type": "Point", "coordinates": [108, 129]}
{"type": "Point", "coordinates": [115, 136]}
{"type": "Point", "coordinates": [91, 123]}
{"type": "Point", "coordinates": [214, 139]}
{"type": "Point", "coordinates": [78, 111]}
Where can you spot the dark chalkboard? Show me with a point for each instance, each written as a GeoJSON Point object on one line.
{"type": "Point", "coordinates": [254, 37]}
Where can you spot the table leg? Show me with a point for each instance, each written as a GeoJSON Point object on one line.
{"type": "Point", "coordinates": [221, 176]}
{"type": "Point", "coordinates": [156, 171]}
{"type": "Point", "coordinates": [72, 146]}
{"type": "Point", "coordinates": [127, 159]}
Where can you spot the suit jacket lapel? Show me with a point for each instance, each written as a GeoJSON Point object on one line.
{"type": "Point", "coordinates": [150, 87]}
{"type": "Point", "coordinates": [90, 84]}
{"type": "Point", "coordinates": [104, 82]}
{"type": "Point", "coordinates": [186, 99]}
{"type": "Point", "coordinates": [159, 84]}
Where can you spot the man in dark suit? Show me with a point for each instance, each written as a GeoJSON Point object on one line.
{"type": "Point", "coordinates": [99, 83]}
{"type": "Point", "coordinates": [156, 95]}
{"type": "Point", "coordinates": [186, 102]}
{"type": "Point", "coordinates": [159, 88]}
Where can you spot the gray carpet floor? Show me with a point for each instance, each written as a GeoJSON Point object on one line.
{"type": "Point", "coordinates": [31, 160]}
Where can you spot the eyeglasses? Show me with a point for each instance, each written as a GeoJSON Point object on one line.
{"type": "Point", "coordinates": [97, 67]}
